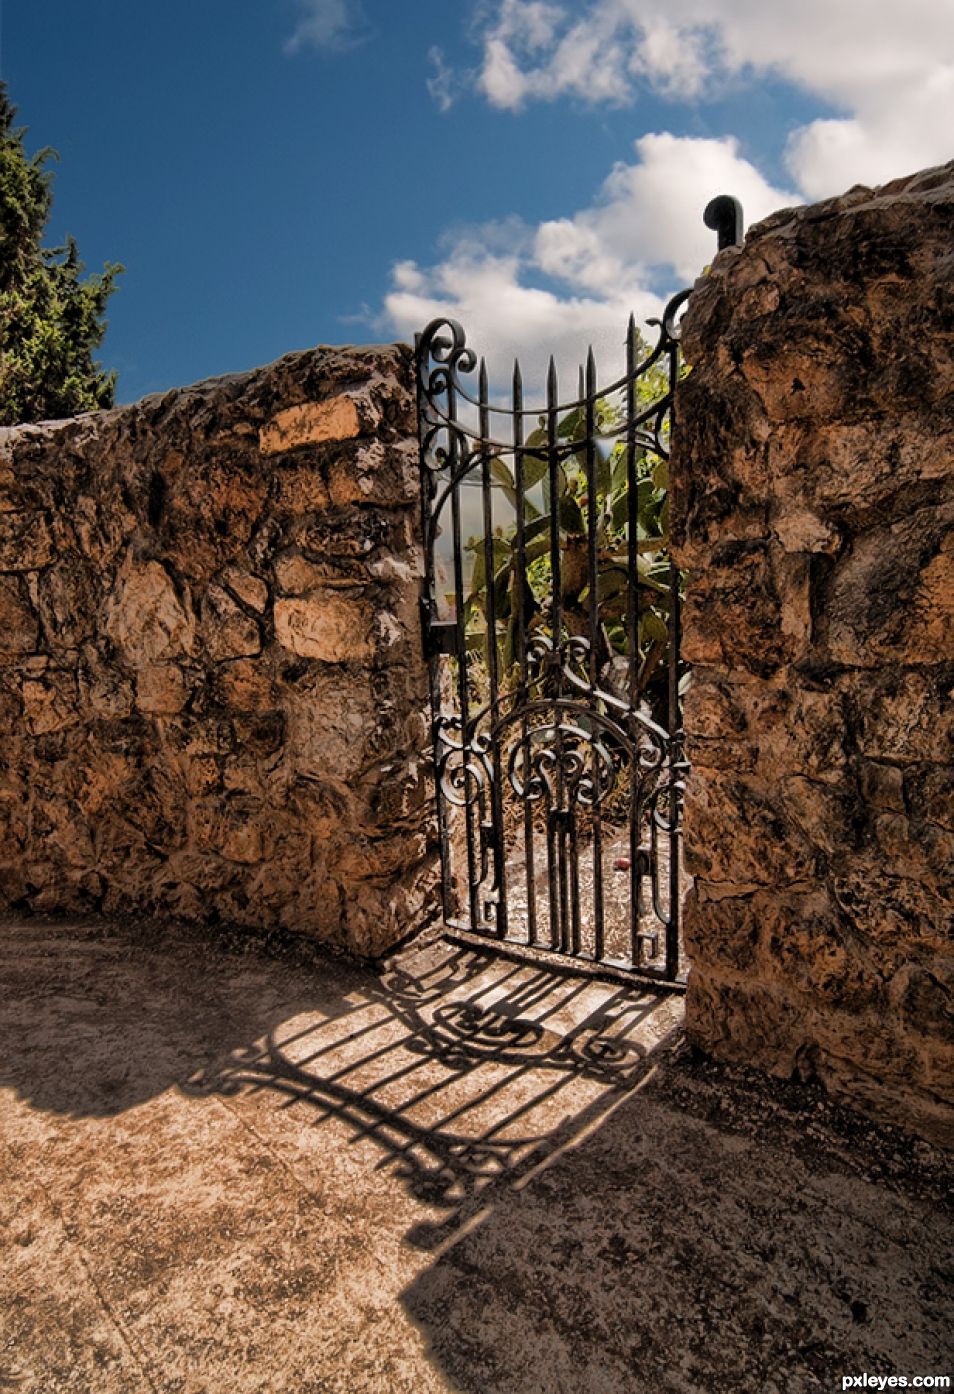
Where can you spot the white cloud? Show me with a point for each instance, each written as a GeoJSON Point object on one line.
{"type": "Point", "coordinates": [441, 84]}
{"type": "Point", "coordinates": [883, 141]}
{"type": "Point", "coordinates": [504, 317]}
{"type": "Point", "coordinates": [649, 213]}
{"type": "Point", "coordinates": [642, 239]}
{"type": "Point", "coordinates": [886, 70]}
{"type": "Point", "coordinates": [331, 24]}
{"type": "Point", "coordinates": [888, 66]}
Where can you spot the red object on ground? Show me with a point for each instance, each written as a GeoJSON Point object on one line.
{"type": "Point", "coordinates": [622, 864]}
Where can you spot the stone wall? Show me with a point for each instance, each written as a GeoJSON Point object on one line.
{"type": "Point", "coordinates": [813, 498]}
{"type": "Point", "coordinates": [211, 691]}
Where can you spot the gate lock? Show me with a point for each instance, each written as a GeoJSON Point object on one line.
{"type": "Point", "coordinates": [440, 636]}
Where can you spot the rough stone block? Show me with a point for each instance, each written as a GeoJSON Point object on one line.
{"type": "Point", "coordinates": [332, 628]}
{"type": "Point", "coordinates": [49, 703]}
{"type": "Point", "coordinates": [228, 632]}
{"type": "Point", "coordinates": [19, 628]}
{"type": "Point", "coordinates": [739, 831]}
{"type": "Point", "coordinates": [162, 689]}
{"type": "Point", "coordinates": [251, 590]}
{"type": "Point", "coordinates": [891, 600]}
{"type": "Point", "coordinates": [26, 543]}
{"type": "Point", "coordinates": [297, 575]}
{"type": "Point", "coordinates": [336, 419]}
{"type": "Point", "coordinates": [245, 685]}
{"type": "Point", "coordinates": [299, 490]}
{"type": "Point", "coordinates": [145, 617]}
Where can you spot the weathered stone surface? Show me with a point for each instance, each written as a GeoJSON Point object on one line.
{"type": "Point", "coordinates": [330, 627]}
{"type": "Point", "coordinates": [892, 597]}
{"type": "Point", "coordinates": [19, 629]}
{"type": "Point", "coordinates": [228, 631]}
{"type": "Point", "coordinates": [64, 605]}
{"type": "Point", "coordinates": [25, 541]}
{"type": "Point", "coordinates": [310, 423]}
{"type": "Point", "coordinates": [326, 736]}
{"type": "Point", "coordinates": [296, 575]}
{"type": "Point", "coordinates": [217, 502]}
{"type": "Point", "coordinates": [812, 502]}
{"type": "Point", "coordinates": [745, 834]}
{"type": "Point", "coordinates": [162, 688]}
{"type": "Point", "coordinates": [251, 590]}
{"type": "Point", "coordinates": [245, 686]}
{"type": "Point", "coordinates": [752, 609]}
{"type": "Point", "coordinates": [49, 702]}
{"type": "Point", "coordinates": [145, 617]}
{"type": "Point", "coordinates": [212, 697]}
{"type": "Point", "coordinates": [298, 490]}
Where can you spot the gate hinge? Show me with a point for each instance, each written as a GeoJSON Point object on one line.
{"type": "Point", "coordinates": [440, 636]}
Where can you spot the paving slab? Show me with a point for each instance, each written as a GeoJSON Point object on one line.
{"type": "Point", "coordinates": [234, 1163]}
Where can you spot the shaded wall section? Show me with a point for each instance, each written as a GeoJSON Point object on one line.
{"type": "Point", "coordinates": [211, 692]}
{"type": "Point", "coordinates": [813, 498]}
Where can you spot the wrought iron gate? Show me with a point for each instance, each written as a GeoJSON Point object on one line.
{"type": "Point", "coordinates": [551, 625]}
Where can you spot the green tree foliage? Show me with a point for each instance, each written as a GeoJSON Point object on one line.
{"type": "Point", "coordinates": [51, 317]}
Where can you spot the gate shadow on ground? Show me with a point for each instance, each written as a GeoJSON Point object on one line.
{"type": "Point", "coordinates": [467, 1071]}
{"type": "Point", "coordinates": [464, 1070]}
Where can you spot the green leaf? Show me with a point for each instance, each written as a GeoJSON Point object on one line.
{"type": "Point", "coordinates": [652, 628]}
{"type": "Point", "coordinates": [478, 576]}
{"type": "Point", "coordinates": [572, 424]}
{"type": "Point", "coordinates": [614, 580]}
{"type": "Point", "coordinates": [502, 592]}
{"type": "Point", "coordinates": [604, 474]}
{"type": "Point", "coordinates": [500, 474]}
{"type": "Point", "coordinates": [561, 486]}
{"type": "Point", "coordinates": [616, 633]}
{"type": "Point", "coordinates": [539, 547]}
{"type": "Point", "coordinates": [645, 494]}
{"type": "Point", "coordinates": [619, 471]}
{"type": "Point", "coordinates": [534, 468]}
{"type": "Point", "coordinates": [619, 513]}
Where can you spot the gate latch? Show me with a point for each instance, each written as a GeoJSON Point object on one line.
{"type": "Point", "coordinates": [440, 636]}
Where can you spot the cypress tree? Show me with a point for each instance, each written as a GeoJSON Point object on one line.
{"type": "Point", "coordinates": [51, 317]}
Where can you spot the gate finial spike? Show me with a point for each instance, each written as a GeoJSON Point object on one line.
{"type": "Point", "coordinates": [552, 379]}
{"type": "Point", "coordinates": [590, 371]}
{"type": "Point", "coordinates": [482, 380]}
{"type": "Point", "coordinates": [631, 328]}
{"type": "Point", "coordinates": [517, 375]}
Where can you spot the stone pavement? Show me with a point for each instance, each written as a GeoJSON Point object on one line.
{"type": "Point", "coordinates": [240, 1165]}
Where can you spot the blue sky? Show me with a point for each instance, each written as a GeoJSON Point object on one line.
{"type": "Point", "coordinates": [280, 173]}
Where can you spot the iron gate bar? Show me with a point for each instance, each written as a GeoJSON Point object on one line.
{"type": "Point", "coordinates": [475, 772]}
{"type": "Point", "coordinates": [521, 640]}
